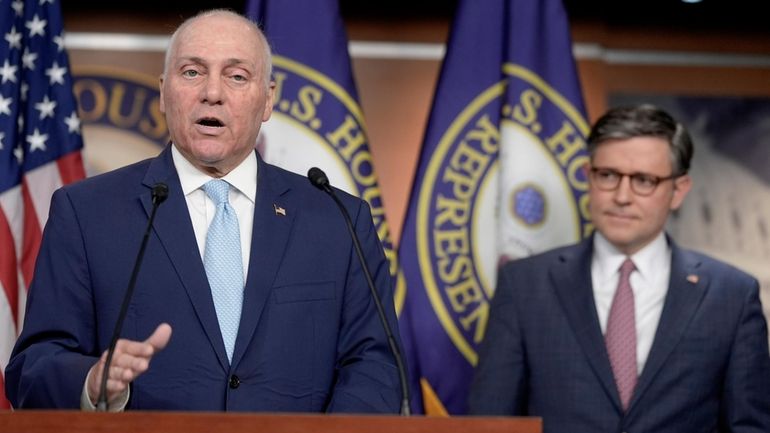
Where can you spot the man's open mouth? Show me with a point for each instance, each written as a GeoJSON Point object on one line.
{"type": "Point", "coordinates": [210, 121]}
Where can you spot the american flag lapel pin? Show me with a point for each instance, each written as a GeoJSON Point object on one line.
{"type": "Point", "coordinates": [279, 210]}
{"type": "Point", "coordinates": [692, 278]}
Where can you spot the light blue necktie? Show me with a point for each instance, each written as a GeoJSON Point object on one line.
{"type": "Point", "coordinates": [224, 263]}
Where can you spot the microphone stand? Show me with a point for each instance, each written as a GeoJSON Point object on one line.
{"type": "Point", "coordinates": [319, 180]}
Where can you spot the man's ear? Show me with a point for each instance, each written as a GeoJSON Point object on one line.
{"type": "Point", "coordinates": [682, 186]}
{"type": "Point", "coordinates": [269, 102]}
{"type": "Point", "coordinates": [160, 87]}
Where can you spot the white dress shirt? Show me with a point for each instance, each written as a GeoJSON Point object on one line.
{"type": "Point", "coordinates": [242, 197]}
{"type": "Point", "coordinates": [649, 282]}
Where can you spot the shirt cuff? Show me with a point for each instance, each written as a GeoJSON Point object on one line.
{"type": "Point", "coordinates": [87, 406]}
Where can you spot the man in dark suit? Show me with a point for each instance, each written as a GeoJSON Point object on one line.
{"type": "Point", "coordinates": [289, 325]}
{"type": "Point", "coordinates": [626, 331]}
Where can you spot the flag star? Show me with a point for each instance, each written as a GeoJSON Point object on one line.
{"type": "Point", "coordinates": [28, 59]}
{"type": "Point", "coordinates": [46, 107]}
{"type": "Point", "coordinates": [23, 90]}
{"type": "Point", "coordinates": [36, 26]}
{"type": "Point", "coordinates": [2, 135]}
{"type": "Point", "coordinates": [37, 141]}
{"type": "Point", "coordinates": [14, 38]}
{"type": "Point", "coordinates": [8, 72]}
{"type": "Point", "coordinates": [18, 152]}
{"type": "Point", "coordinates": [5, 105]}
{"type": "Point", "coordinates": [73, 122]}
{"type": "Point", "coordinates": [18, 6]}
{"type": "Point", "coordinates": [56, 73]}
{"type": "Point", "coordinates": [59, 41]}
{"type": "Point", "coordinates": [20, 122]}
{"type": "Point", "coordinates": [42, 2]}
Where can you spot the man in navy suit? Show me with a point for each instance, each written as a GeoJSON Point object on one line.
{"type": "Point", "coordinates": [307, 335]}
{"type": "Point", "coordinates": [626, 331]}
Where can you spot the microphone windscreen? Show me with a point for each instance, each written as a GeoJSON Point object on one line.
{"type": "Point", "coordinates": [159, 193]}
{"type": "Point", "coordinates": [318, 178]}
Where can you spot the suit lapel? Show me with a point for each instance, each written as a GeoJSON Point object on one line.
{"type": "Point", "coordinates": [173, 227]}
{"type": "Point", "coordinates": [274, 213]}
{"type": "Point", "coordinates": [571, 278]}
{"type": "Point", "coordinates": [687, 286]}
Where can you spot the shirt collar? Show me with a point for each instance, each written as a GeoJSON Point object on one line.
{"type": "Point", "coordinates": [608, 258]}
{"type": "Point", "coordinates": [243, 177]}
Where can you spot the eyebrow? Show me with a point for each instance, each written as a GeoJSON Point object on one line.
{"type": "Point", "coordinates": [199, 60]}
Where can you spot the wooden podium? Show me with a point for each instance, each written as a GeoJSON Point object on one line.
{"type": "Point", "coordinates": [31, 421]}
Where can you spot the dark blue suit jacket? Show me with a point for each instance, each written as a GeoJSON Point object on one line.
{"type": "Point", "coordinates": [309, 339]}
{"type": "Point", "coordinates": [544, 354]}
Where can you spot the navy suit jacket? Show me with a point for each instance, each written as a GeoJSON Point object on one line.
{"type": "Point", "coordinates": [309, 339]}
{"type": "Point", "coordinates": [544, 353]}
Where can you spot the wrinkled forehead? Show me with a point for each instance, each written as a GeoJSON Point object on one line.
{"type": "Point", "coordinates": [217, 35]}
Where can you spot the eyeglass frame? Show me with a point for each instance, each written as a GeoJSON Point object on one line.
{"type": "Point", "coordinates": [632, 176]}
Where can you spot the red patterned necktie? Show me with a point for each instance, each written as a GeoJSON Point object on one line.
{"type": "Point", "coordinates": [621, 336]}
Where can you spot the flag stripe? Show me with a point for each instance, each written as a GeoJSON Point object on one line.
{"type": "Point", "coordinates": [71, 167]}
{"type": "Point", "coordinates": [4, 403]}
{"type": "Point", "coordinates": [39, 184]}
{"type": "Point", "coordinates": [31, 235]}
{"type": "Point", "coordinates": [8, 269]}
{"type": "Point", "coordinates": [9, 299]}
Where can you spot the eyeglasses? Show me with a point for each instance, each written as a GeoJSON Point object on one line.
{"type": "Point", "coordinates": [607, 179]}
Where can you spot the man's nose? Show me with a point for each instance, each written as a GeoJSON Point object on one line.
{"type": "Point", "coordinates": [623, 192]}
{"type": "Point", "coordinates": [212, 90]}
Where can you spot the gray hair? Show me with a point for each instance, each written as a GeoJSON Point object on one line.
{"type": "Point", "coordinates": [644, 121]}
{"type": "Point", "coordinates": [267, 53]}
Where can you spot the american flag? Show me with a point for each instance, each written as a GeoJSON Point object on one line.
{"type": "Point", "coordinates": [40, 147]}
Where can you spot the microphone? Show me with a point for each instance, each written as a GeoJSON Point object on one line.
{"type": "Point", "coordinates": [159, 195]}
{"type": "Point", "coordinates": [318, 178]}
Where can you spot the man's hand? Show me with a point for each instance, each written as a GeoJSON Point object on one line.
{"type": "Point", "coordinates": [130, 360]}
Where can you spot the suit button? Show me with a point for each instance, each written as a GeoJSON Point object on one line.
{"type": "Point", "coordinates": [234, 382]}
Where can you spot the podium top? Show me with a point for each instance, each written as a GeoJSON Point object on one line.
{"type": "Point", "coordinates": [32, 421]}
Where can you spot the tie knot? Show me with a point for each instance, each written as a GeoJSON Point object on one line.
{"type": "Point", "coordinates": [626, 268]}
{"type": "Point", "coordinates": [217, 190]}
